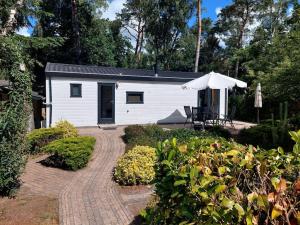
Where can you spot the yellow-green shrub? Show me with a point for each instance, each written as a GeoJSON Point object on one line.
{"type": "Point", "coordinates": [136, 166]}
{"type": "Point", "coordinates": [69, 129]}
{"type": "Point", "coordinates": [41, 137]}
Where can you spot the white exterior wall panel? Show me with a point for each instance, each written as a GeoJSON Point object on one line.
{"type": "Point", "coordinates": [163, 102]}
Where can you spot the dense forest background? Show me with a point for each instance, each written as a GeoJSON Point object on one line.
{"type": "Point", "coordinates": [253, 40]}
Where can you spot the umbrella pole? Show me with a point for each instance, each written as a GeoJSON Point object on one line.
{"type": "Point", "coordinates": [258, 115]}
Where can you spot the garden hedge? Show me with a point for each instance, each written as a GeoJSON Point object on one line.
{"type": "Point", "coordinates": [150, 135]}
{"type": "Point", "coordinates": [214, 181]}
{"type": "Point", "coordinates": [71, 153]}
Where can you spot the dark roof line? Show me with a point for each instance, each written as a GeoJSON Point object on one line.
{"type": "Point", "coordinates": [84, 71]}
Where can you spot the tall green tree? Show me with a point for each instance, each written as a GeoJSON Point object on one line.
{"type": "Point", "coordinates": [69, 20]}
{"type": "Point", "coordinates": [234, 24]}
{"type": "Point", "coordinates": [199, 31]}
{"type": "Point", "coordinates": [132, 18]}
{"type": "Point", "coordinates": [165, 22]}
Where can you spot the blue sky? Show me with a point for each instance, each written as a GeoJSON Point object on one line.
{"type": "Point", "coordinates": [212, 6]}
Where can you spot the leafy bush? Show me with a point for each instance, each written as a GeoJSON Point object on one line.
{"type": "Point", "coordinates": [295, 122]}
{"type": "Point", "coordinates": [263, 136]}
{"type": "Point", "coordinates": [71, 153]}
{"type": "Point", "coordinates": [69, 130]}
{"type": "Point", "coordinates": [136, 166]}
{"type": "Point", "coordinates": [14, 114]}
{"type": "Point", "coordinates": [214, 181]}
{"type": "Point", "coordinates": [143, 135]}
{"type": "Point", "coordinates": [41, 137]}
{"type": "Point", "coordinates": [152, 134]}
{"type": "Point", "coordinates": [12, 163]}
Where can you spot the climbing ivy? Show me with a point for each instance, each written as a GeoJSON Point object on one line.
{"type": "Point", "coordinates": [14, 114]}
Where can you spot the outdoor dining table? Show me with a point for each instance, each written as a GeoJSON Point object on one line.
{"type": "Point", "coordinates": [203, 115]}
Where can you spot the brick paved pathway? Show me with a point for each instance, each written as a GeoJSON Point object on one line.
{"type": "Point", "coordinates": [89, 196]}
{"type": "Point", "coordinates": [92, 197]}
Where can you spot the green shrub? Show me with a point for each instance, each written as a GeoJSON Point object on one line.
{"type": "Point", "coordinates": [71, 153]}
{"type": "Point", "coordinates": [69, 130]}
{"type": "Point", "coordinates": [136, 166]}
{"type": "Point", "coordinates": [133, 131]}
{"type": "Point", "coordinates": [215, 181]}
{"type": "Point", "coordinates": [14, 112]}
{"type": "Point", "coordinates": [41, 137]}
{"type": "Point", "coordinates": [150, 135]}
{"type": "Point", "coordinates": [295, 122]}
{"type": "Point", "coordinates": [263, 136]}
{"type": "Point", "coordinates": [12, 163]}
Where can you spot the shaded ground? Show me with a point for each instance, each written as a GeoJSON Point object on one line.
{"type": "Point", "coordinates": [29, 210]}
{"type": "Point", "coordinates": [89, 196]}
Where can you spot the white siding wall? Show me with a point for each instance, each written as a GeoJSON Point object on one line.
{"type": "Point", "coordinates": [163, 102]}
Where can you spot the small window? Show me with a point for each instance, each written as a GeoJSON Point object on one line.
{"type": "Point", "coordinates": [75, 90]}
{"type": "Point", "coordinates": [135, 97]}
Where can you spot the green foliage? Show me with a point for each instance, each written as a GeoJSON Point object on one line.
{"type": "Point", "coordinates": [69, 130]}
{"type": "Point", "coordinates": [143, 135]}
{"type": "Point", "coordinates": [150, 135]}
{"type": "Point", "coordinates": [165, 22]}
{"type": "Point", "coordinates": [295, 122]}
{"type": "Point", "coordinates": [214, 181]}
{"type": "Point", "coordinates": [71, 153]}
{"type": "Point", "coordinates": [136, 166]}
{"type": "Point", "coordinates": [14, 114]}
{"type": "Point", "coordinates": [260, 135]}
{"type": "Point", "coordinates": [40, 137]}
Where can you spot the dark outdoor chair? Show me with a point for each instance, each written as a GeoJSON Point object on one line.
{"type": "Point", "coordinates": [198, 117]}
{"type": "Point", "coordinates": [188, 114]}
{"type": "Point", "coordinates": [210, 117]}
{"type": "Point", "coordinates": [229, 118]}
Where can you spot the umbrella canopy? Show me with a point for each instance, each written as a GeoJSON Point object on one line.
{"type": "Point", "coordinates": [258, 97]}
{"type": "Point", "coordinates": [214, 80]}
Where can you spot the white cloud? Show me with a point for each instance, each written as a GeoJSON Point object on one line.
{"type": "Point", "coordinates": [24, 31]}
{"type": "Point", "coordinates": [218, 10]}
{"type": "Point", "coordinates": [114, 7]}
{"type": "Point", "coordinates": [290, 11]}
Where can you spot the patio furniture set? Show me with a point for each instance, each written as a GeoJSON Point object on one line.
{"type": "Point", "coordinates": [200, 117]}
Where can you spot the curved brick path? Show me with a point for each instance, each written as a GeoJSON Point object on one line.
{"type": "Point", "coordinates": [89, 196]}
{"type": "Point", "coordinates": [92, 198]}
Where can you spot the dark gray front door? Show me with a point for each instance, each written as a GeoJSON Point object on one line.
{"type": "Point", "coordinates": [106, 103]}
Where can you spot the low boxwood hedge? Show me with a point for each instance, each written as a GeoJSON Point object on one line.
{"type": "Point", "coordinates": [136, 166]}
{"type": "Point", "coordinates": [70, 153]}
{"type": "Point", "coordinates": [41, 137]}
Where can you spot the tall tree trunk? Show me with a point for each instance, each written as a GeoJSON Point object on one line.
{"type": "Point", "coordinates": [141, 45]}
{"type": "Point", "coordinates": [9, 25]}
{"type": "Point", "coordinates": [75, 24]}
{"type": "Point", "coordinates": [137, 46]}
{"type": "Point", "coordinates": [199, 22]}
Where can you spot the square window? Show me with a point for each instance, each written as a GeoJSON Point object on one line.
{"type": "Point", "coordinates": [134, 97]}
{"type": "Point", "coordinates": [75, 90]}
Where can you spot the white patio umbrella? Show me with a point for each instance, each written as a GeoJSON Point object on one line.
{"type": "Point", "coordinates": [258, 100]}
{"type": "Point", "coordinates": [214, 80]}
